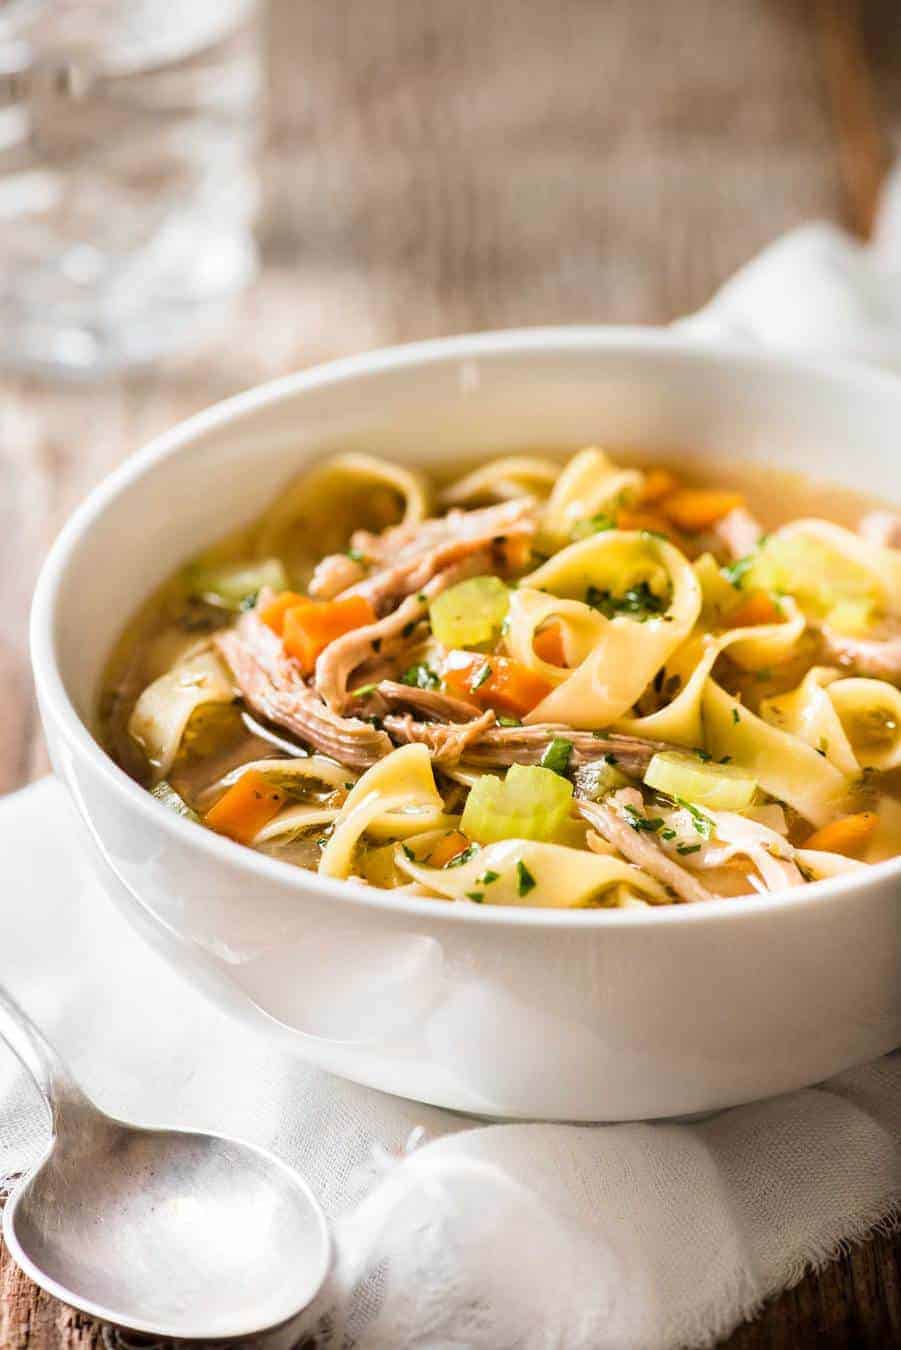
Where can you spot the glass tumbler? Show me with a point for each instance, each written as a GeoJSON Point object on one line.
{"type": "Point", "coordinates": [129, 140]}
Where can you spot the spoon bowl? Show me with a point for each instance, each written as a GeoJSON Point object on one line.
{"type": "Point", "coordinates": [166, 1232]}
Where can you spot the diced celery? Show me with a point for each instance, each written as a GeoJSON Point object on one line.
{"type": "Point", "coordinates": [600, 776]}
{"type": "Point", "coordinates": [232, 585]}
{"type": "Point", "coordinates": [819, 577]}
{"type": "Point", "coordinates": [529, 803]}
{"type": "Point", "coordinates": [165, 793]}
{"type": "Point", "coordinates": [470, 613]}
{"type": "Point", "coordinates": [722, 787]}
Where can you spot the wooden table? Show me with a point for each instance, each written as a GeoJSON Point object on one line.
{"type": "Point", "coordinates": [437, 166]}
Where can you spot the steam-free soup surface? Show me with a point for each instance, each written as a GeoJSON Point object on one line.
{"type": "Point", "coordinates": [554, 683]}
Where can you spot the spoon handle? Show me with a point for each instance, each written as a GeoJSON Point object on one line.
{"type": "Point", "coordinates": [28, 1043]}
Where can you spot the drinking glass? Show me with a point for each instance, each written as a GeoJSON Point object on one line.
{"type": "Point", "coordinates": [129, 134]}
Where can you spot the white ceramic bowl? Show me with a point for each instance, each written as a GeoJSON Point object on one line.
{"type": "Point", "coordinates": [591, 1015]}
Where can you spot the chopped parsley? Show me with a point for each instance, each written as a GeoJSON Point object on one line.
{"type": "Point", "coordinates": [557, 755]}
{"type": "Point", "coordinates": [610, 759]}
{"type": "Point", "coordinates": [639, 822]}
{"type": "Point", "coordinates": [735, 717]}
{"type": "Point", "coordinates": [463, 857]}
{"type": "Point", "coordinates": [408, 852]}
{"type": "Point", "coordinates": [639, 600]}
{"type": "Point", "coordinates": [487, 877]}
{"type": "Point", "coordinates": [482, 674]}
{"type": "Point", "coordinates": [525, 882]}
{"type": "Point", "coordinates": [599, 522]}
{"type": "Point", "coordinates": [736, 572]}
{"type": "Point", "coordinates": [505, 721]}
{"type": "Point", "coordinates": [687, 848]}
{"type": "Point", "coordinates": [248, 601]}
{"type": "Point", "coordinates": [355, 555]}
{"type": "Point", "coordinates": [703, 824]}
{"type": "Point", "coordinates": [408, 628]}
{"type": "Point", "coordinates": [667, 834]}
{"type": "Point", "coordinates": [477, 896]}
{"type": "Point", "coordinates": [421, 676]}
{"type": "Point", "coordinates": [702, 755]}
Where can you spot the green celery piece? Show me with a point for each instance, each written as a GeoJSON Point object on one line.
{"type": "Point", "coordinates": [165, 793]}
{"type": "Point", "coordinates": [721, 787]}
{"type": "Point", "coordinates": [530, 803]}
{"type": "Point", "coordinates": [230, 585]}
{"type": "Point", "coordinates": [470, 613]}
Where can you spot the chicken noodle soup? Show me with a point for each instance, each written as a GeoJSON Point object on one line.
{"type": "Point", "coordinates": [540, 684]}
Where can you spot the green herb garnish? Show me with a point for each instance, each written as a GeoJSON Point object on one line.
{"type": "Point", "coordinates": [557, 755]}
{"type": "Point", "coordinates": [525, 882]}
{"type": "Point", "coordinates": [421, 676]}
{"type": "Point", "coordinates": [483, 674]}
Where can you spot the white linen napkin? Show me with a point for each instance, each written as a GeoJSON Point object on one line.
{"type": "Point", "coordinates": [451, 1233]}
{"type": "Point", "coordinates": [448, 1233]}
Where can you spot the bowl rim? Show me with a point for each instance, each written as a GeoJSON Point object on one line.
{"type": "Point", "coordinates": [55, 700]}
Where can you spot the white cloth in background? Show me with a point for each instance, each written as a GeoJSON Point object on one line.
{"type": "Point", "coordinates": [497, 1237]}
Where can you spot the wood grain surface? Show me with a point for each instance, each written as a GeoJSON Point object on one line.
{"type": "Point", "coordinates": [437, 166]}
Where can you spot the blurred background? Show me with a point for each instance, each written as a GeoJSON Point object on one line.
{"type": "Point", "coordinates": [413, 168]}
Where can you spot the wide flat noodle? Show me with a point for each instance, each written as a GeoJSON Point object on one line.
{"type": "Point", "coordinates": [692, 664]}
{"type": "Point", "coordinates": [629, 650]}
{"type": "Point", "coordinates": [534, 875]}
{"type": "Point", "coordinates": [161, 714]}
{"type": "Point", "coordinates": [316, 513]}
{"type": "Point", "coordinates": [503, 479]}
{"type": "Point", "coordinates": [589, 485]}
{"type": "Point", "coordinates": [784, 766]}
{"type": "Point", "coordinates": [403, 783]}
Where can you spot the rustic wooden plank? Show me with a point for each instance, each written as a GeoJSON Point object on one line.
{"type": "Point", "coordinates": [436, 168]}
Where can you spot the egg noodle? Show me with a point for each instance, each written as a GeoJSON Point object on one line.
{"type": "Point", "coordinates": [542, 684]}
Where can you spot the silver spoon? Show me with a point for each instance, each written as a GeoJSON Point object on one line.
{"type": "Point", "coordinates": [171, 1233]}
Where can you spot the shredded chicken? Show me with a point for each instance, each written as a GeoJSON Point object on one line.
{"type": "Point", "coordinates": [882, 527]}
{"type": "Point", "coordinates": [639, 846]}
{"type": "Point", "coordinates": [271, 685]}
{"type": "Point", "coordinates": [502, 746]}
{"type": "Point", "coordinates": [447, 743]}
{"type": "Point", "coordinates": [386, 636]}
{"type": "Point", "coordinates": [429, 702]}
{"type": "Point", "coordinates": [879, 656]}
{"type": "Point", "coordinates": [333, 575]}
{"type": "Point", "coordinates": [411, 556]}
{"type": "Point", "coordinates": [738, 532]}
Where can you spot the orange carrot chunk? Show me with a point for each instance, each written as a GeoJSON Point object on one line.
{"type": "Point", "coordinates": [697, 509]}
{"type": "Point", "coordinates": [847, 835]}
{"type": "Point", "coordinates": [755, 609]}
{"type": "Point", "coordinates": [273, 614]}
{"type": "Point", "coordinates": [548, 644]}
{"type": "Point", "coordinates": [448, 846]}
{"type": "Point", "coordinates": [494, 682]}
{"type": "Point", "coordinates": [657, 483]}
{"type": "Point", "coordinates": [311, 626]}
{"type": "Point", "coordinates": [644, 520]}
{"type": "Point", "coordinates": [243, 810]}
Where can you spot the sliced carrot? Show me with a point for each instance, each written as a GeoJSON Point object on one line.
{"type": "Point", "coordinates": [755, 609]}
{"type": "Point", "coordinates": [243, 810]}
{"type": "Point", "coordinates": [548, 644]}
{"type": "Point", "coordinates": [273, 614]}
{"type": "Point", "coordinates": [494, 682]}
{"type": "Point", "coordinates": [448, 846]}
{"type": "Point", "coordinates": [644, 520]}
{"type": "Point", "coordinates": [657, 483]}
{"type": "Point", "coordinates": [847, 835]}
{"type": "Point", "coordinates": [697, 509]}
{"type": "Point", "coordinates": [311, 626]}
